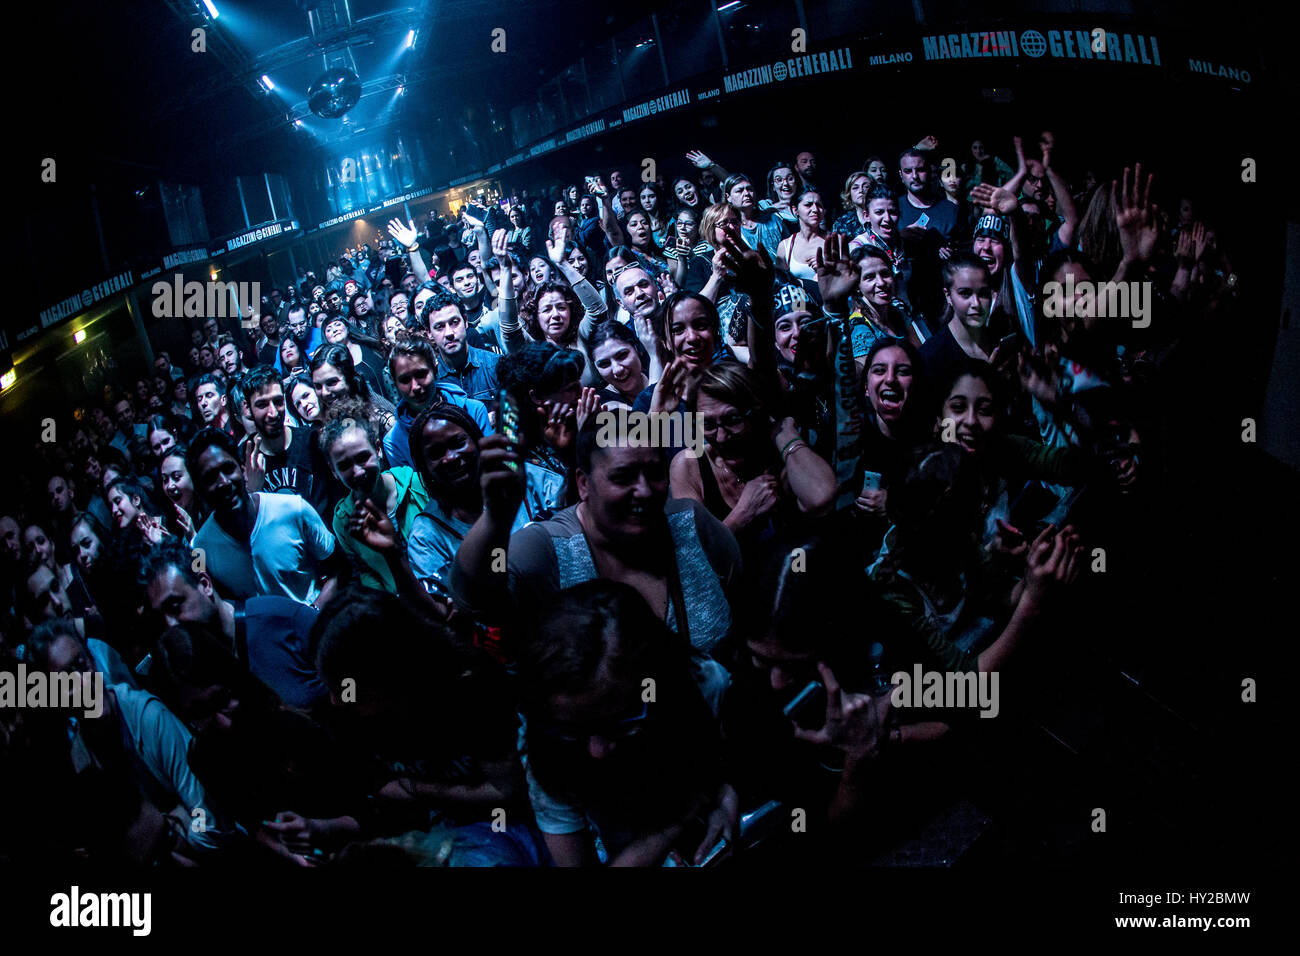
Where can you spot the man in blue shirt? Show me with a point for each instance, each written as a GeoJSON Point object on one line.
{"type": "Point", "coordinates": [413, 365]}
{"type": "Point", "coordinates": [473, 369]}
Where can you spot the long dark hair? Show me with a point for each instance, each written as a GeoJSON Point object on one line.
{"type": "Point", "coordinates": [341, 359]}
{"type": "Point", "coordinates": [620, 333]}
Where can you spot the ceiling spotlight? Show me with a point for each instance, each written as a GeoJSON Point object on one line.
{"type": "Point", "coordinates": [266, 82]}
{"type": "Point", "coordinates": [334, 93]}
{"type": "Point", "coordinates": [212, 10]}
{"type": "Point", "coordinates": [410, 39]}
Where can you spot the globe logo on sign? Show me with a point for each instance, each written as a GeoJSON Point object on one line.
{"type": "Point", "coordinates": [778, 70]}
{"type": "Point", "coordinates": [1033, 43]}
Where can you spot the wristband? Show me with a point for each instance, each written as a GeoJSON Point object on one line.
{"type": "Point", "coordinates": [791, 446]}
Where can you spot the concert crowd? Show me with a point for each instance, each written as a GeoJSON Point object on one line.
{"type": "Point", "coordinates": [370, 580]}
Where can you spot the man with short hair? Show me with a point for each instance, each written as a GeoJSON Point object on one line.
{"type": "Point", "coordinates": [278, 458]}
{"type": "Point", "coordinates": [413, 366]}
{"type": "Point", "coordinates": [127, 428]}
{"type": "Point", "coordinates": [643, 301]}
{"type": "Point", "coordinates": [298, 328]}
{"type": "Point", "coordinates": [256, 543]}
{"type": "Point", "coordinates": [923, 208]}
{"type": "Point", "coordinates": [805, 167]}
{"type": "Point", "coordinates": [232, 363]}
{"type": "Point", "coordinates": [210, 401]}
{"type": "Point", "coordinates": [473, 369]}
{"type": "Point", "coordinates": [270, 634]}
{"type": "Point", "coordinates": [162, 364]}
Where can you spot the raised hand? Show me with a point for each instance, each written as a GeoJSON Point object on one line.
{"type": "Point", "coordinates": [997, 198]}
{"type": "Point", "coordinates": [373, 528]}
{"type": "Point", "coordinates": [1054, 559]}
{"type": "Point", "coordinates": [404, 235]}
{"type": "Point", "coordinates": [1048, 143]}
{"type": "Point", "coordinates": [501, 246]}
{"type": "Point", "coordinates": [587, 403]}
{"type": "Point", "coordinates": [753, 274]}
{"type": "Point", "coordinates": [837, 274]}
{"type": "Point", "coordinates": [855, 723]}
{"type": "Point", "coordinates": [1200, 239]}
{"type": "Point", "coordinates": [184, 521]}
{"type": "Point", "coordinates": [675, 386]}
{"type": "Point", "coordinates": [597, 188]}
{"type": "Point", "coordinates": [1135, 215]}
{"type": "Point", "coordinates": [698, 159]}
{"type": "Point", "coordinates": [928, 142]}
{"type": "Point", "coordinates": [254, 464]}
{"type": "Point", "coordinates": [150, 528]}
{"type": "Point", "coordinates": [558, 427]}
{"type": "Point", "coordinates": [1019, 145]}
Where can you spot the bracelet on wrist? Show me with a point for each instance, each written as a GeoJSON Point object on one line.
{"type": "Point", "coordinates": [791, 446]}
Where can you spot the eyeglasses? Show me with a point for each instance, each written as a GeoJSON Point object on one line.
{"type": "Point", "coordinates": [611, 730]}
{"type": "Point", "coordinates": [730, 422]}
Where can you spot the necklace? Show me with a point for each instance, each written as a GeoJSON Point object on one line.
{"type": "Point", "coordinates": [732, 476]}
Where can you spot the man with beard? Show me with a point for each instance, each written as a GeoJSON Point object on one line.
{"type": "Point", "coordinates": [280, 456]}
{"type": "Point", "coordinates": [258, 543]}
{"type": "Point", "coordinates": [232, 363]}
{"type": "Point", "coordinates": [805, 165]}
{"type": "Point", "coordinates": [473, 369]}
{"type": "Point", "coordinates": [926, 222]}
{"type": "Point", "coordinates": [352, 448]}
{"type": "Point", "coordinates": [301, 331]}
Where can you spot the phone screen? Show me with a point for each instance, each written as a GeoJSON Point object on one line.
{"type": "Point", "coordinates": [808, 708]}
{"type": "Point", "coordinates": [510, 423]}
{"type": "Point", "coordinates": [923, 220]}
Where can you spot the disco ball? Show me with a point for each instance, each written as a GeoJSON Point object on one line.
{"type": "Point", "coordinates": [336, 92]}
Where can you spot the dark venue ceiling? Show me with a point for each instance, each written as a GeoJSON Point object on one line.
{"type": "Point", "coordinates": [145, 97]}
